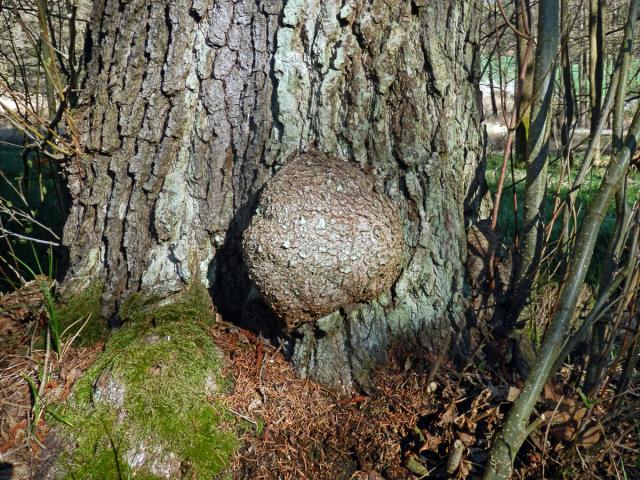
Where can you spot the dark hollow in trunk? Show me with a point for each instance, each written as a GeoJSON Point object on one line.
{"type": "Point", "coordinates": [189, 107]}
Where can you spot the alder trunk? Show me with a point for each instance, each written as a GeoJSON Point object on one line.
{"type": "Point", "coordinates": [189, 107]}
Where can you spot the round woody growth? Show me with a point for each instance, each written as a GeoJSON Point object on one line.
{"type": "Point", "coordinates": [322, 238]}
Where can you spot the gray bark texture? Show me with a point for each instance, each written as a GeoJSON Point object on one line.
{"type": "Point", "coordinates": [189, 107]}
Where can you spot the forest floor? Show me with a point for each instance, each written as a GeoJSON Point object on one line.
{"type": "Point", "coordinates": [423, 416]}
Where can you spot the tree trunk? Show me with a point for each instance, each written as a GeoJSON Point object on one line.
{"type": "Point", "coordinates": [492, 91]}
{"type": "Point", "coordinates": [584, 88]}
{"type": "Point", "coordinates": [567, 82]}
{"type": "Point", "coordinates": [537, 156]}
{"type": "Point", "coordinates": [189, 107]}
{"type": "Point", "coordinates": [523, 105]}
{"type": "Point", "coordinates": [596, 63]}
{"type": "Point", "coordinates": [597, 358]}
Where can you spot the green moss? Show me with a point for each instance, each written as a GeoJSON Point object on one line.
{"type": "Point", "coordinates": [169, 376]}
{"type": "Point", "coordinates": [192, 304]}
{"type": "Point", "coordinates": [80, 307]}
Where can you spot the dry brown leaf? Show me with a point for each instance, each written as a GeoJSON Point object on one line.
{"type": "Point", "coordinates": [512, 394]}
{"type": "Point", "coordinates": [448, 416]}
{"type": "Point", "coordinates": [431, 443]}
{"type": "Point", "coordinates": [550, 394]}
{"type": "Point", "coordinates": [7, 326]}
{"type": "Point", "coordinates": [467, 438]}
{"type": "Point", "coordinates": [464, 469]}
{"type": "Point", "coordinates": [590, 437]}
{"type": "Point", "coordinates": [580, 413]}
{"type": "Point", "coordinates": [373, 475]}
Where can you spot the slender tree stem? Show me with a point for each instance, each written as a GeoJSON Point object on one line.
{"type": "Point", "coordinates": [537, 150]}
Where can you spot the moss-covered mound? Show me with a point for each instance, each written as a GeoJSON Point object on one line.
{"type": "Point", "coordinates": [147, 409]}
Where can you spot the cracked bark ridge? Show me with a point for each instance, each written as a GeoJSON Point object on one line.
{"type": "Point", "coordinates": [322, 238]}
{"type": "Point", "coordinates": [171, 100]}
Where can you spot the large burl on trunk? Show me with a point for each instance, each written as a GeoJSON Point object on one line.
{"type": "Point", "coordinates": [322, 238]}
{"type": "Point", "coordinates": [190, 106]}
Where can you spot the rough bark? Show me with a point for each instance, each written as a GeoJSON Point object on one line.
{"type": "Point", "coordinates": [189, 107]}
